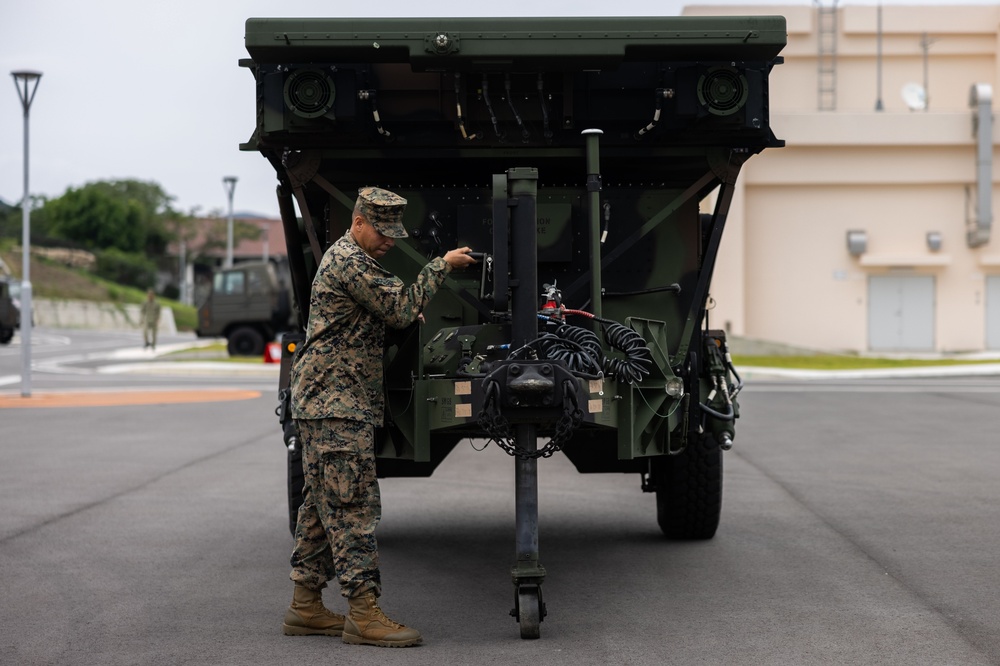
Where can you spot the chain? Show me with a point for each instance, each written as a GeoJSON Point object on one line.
{"type": "Point", "coordinates": [498, 428]}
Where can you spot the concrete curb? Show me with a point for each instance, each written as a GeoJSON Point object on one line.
{"type": "Point", "coordinates": [961, 370]}
{"type": "Point", "coordinates": [194, 368]}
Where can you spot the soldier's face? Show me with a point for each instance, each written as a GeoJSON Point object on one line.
{"type": "Point", "coordinates": [371, 241]}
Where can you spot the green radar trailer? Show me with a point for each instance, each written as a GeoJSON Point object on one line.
{"type": "Point", "coordinates": [575, 154]}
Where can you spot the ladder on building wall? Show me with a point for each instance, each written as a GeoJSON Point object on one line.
{"type": "Point", "coordinates": [826, 57]}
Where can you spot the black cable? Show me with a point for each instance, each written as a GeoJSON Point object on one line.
{"type": "Point", "coordinates": [638, 359]}
{"type": "Point", "coordinates": [577, 347]}
{"type": "Point", "coordinates": [728, 416]}
{"type": "Point", "coordinates": [489, 107]}
{"type": "Point", "coordinates": [675, 288]}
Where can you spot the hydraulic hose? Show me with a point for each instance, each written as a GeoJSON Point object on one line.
{"type": "Point", "coordinates": [721, 388]}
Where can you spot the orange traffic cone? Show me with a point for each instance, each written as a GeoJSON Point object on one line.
{"type": "Point", "coordinates": [272, 353]}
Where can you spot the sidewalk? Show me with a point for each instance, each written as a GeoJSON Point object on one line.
{"type": "Point", "coordinates": [137, 359]}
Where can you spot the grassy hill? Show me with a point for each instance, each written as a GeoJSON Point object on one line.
{"type": "Point", "coordinates": [54, 281]}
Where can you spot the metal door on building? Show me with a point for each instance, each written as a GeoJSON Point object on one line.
{"type": "Point", "coordinates": [901, 313]}
{"type": "Point", "coordinates": [993, 312]}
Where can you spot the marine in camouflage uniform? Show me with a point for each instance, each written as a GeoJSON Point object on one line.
{"type": "Point", "coordinates": [337, 400]}
{"type": "Point", "coordinates": [150, 316]}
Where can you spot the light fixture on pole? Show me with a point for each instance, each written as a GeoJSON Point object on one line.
{"type": "Point", "coordinates": [230, 183]}
{"type": "Point", "coordinates": [26, 82]}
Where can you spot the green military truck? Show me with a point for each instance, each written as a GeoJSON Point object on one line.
{"type": "Point", "coordinates": [249, 305]}
{"type": "Point", "coordinates": [592, 162]}
{"type": "Point", "coordinates": [10, 314]}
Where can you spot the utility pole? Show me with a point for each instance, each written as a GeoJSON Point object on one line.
{"type": "Point", "coordinates": [182, 272]}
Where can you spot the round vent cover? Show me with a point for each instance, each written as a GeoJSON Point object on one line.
{"type": "Point", "coordinates": [723, 90]}
{"type": "Point", "coordinates": [309, 93]}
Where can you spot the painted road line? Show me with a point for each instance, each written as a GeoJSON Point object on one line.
{"type": "Point", "coordinates": [123, 398]}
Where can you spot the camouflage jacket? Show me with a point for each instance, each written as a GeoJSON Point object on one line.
{"type": "Point", "coordinates": [150, 313]}
{"type": "Point", "coordinates": [338, 371]}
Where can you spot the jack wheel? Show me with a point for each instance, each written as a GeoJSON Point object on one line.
{"type": "Point", "coordinates": [530, 610]}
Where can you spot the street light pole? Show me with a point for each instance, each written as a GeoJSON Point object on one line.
{"type": "Point", "coordinates": [230, 184]}
{"type": "Point", "coordinates": [26, 82]}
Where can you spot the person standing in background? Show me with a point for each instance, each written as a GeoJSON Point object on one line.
{"type": "Point", "coordinates": [150, 315]}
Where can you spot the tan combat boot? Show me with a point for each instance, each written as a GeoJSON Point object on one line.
{"type": "Point", "coordinates": [367, 625]}
{"type": "Point", "coordinates": [307, 616]}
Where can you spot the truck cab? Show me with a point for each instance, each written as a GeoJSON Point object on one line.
{"type": "Point", "coordinates": [10, 312]}
{"type": "Point", "coordinates": [249, 304]}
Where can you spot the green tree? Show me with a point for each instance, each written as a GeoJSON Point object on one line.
{"type": "Point", "coordinates": [96, 220]}
{"type": "Point", "coordinates": [7, 220]}
{"type": "Point", "coordinates": [128, 215]}
{"type": "Point", "coordinates": [155, 206]}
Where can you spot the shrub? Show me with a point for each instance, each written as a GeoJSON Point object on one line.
{"type": "Point", "coordinates": [129, 268]}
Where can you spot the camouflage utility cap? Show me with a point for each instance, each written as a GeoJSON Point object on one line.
{"type": "Point", "coordinates": [384, 209]}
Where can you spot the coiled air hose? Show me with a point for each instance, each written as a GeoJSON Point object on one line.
{"type": "Point", "coordinates": [637, 359]}
{"type": "Point", "coordinates": [577, 347]}
{"type": "Point", "coordinates": [631, 369]}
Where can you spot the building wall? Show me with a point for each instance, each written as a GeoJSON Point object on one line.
{"type": "Point", "coordinates": [785, 273]}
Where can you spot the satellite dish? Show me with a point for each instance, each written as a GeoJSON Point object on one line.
{"type": "Point", "coordinates": [915, 96]}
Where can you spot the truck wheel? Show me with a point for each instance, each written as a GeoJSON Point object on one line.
{"type": "Point", "coordinates": [296, 480]}
{"type": "Point", "coordinates": [6, 335]}
{"type": "Point", "coordinates": [246, 341]}
{"type": "Point", "coordinates": [689, 490]}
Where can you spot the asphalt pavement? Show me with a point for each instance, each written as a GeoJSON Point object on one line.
{"type": "Point", "coordinates": [859, 526]}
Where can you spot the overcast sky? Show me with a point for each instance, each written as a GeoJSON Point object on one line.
{"type": "Point", "coordinates": [152, 90]}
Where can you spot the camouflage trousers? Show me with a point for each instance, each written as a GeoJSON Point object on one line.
{"type": "Point", "coordinates": [149, 334]}
{"type": "Point", "coordinates": [335, 534]}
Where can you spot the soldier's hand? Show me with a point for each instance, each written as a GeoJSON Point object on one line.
{"type": "Point", "coordinates": [459, 257]}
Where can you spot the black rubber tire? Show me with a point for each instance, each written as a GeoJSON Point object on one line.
{"type": "Point", "coordinates": [246, 341]}
{"type": "Point", "coordinates": [6, 335]}
{"type": "Point", "coordinates": [529, 611]}
{"type": "Point", "coordinates": [689, 490]}
{"type": "Point", "coordinates": [296, 480]}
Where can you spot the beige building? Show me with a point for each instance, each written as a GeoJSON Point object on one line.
{"type": "Point", "coordinates": [872, 230]}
